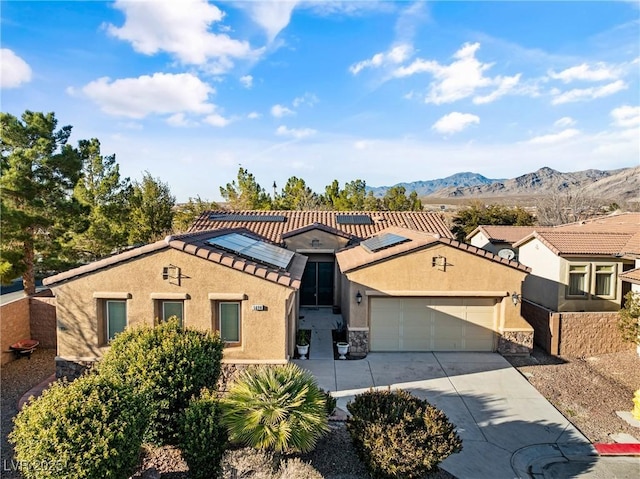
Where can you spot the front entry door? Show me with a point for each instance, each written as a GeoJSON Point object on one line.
{"type": "Point", "coordinates": [317, 285]}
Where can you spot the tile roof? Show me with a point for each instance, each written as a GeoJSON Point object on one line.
{"type": "Point", "coordinates": [502, 234]}
{"type": "Point", "coordinates": [357, 256]}
{"type": "Point", "coordinates": [631, 276]}
{"type": "Point", "coordinates": [615, 223]}
{"type": "Point", "coordinates": [295, 220]}
{"type": "Point", "coordinates": [572, 243]}
{"type": "Point", "coordinates": [195, 244]}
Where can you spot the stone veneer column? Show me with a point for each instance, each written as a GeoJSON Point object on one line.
{"type": "Point", "coordinates": [358, 342]}
{"type": "Point", "coordinates": [515, 343]}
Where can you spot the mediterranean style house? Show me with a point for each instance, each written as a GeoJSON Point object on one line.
{"type": "Point", "coordinates": [399, 280]}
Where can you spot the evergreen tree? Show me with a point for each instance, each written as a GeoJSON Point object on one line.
{"type": "Point", "coordinates": [296, 195]}
{"type": "Point", "coordinates": [246, 194]}
{"type": "Point", "coordinates": [151, 210]}
{"type": "Point", "coordinates": [186, 214]}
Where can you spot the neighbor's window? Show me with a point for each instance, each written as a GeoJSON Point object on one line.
{"type": "Point", "coordinates": [116, 314]}
{"type": "Point", "coordinates": [605, 275]}
{"type": "Point", "coordinates": [173, 308]}
{"type": "Point", "coordinates": [229, 321]}
{"type": "Point", "coordinates": [578, 276]}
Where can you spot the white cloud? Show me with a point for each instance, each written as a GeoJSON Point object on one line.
{"type": "Point", "coordinates": [584, 72]}
{"type": "Point", "coordinates": [555, 137]}
{"type": "Point", "coordinates": [308, 99]}
{"type": "Point", "coordinates": [278, 111]}
{"type": "Point", "coordinates": [180, 120]}
{"type": "Point", "coordinates": [460, 79]}
{"type": "Point", "coordinates": [14, 71]}
{"type": "Point", "coordinates": [395, 56]}
{"type": "Point", "coordinates": [564, 122]}
{"type": "Point", "coordinates": [273, 16]}
{"type": "Point", "coordinates": [216, 120]}
{"type": "Point", "coordinates": [455, 122]}
{"type": "Point", "coordinates": [246, 81]}
{"type": "Point", "coordinates": [362, 144]}
{"type": "Point", "coordinates": [626, 116]}
{"type": "Point", "coordinates": [296, 133]}
{"type": "Point", "coordinates": [161, 93]}
{"type": "Point", "coordinates": [181, 29]}
{"type": "Point", "coordinates": [254, 115]}
{"type": "Point", "coordinates": [585, 94]}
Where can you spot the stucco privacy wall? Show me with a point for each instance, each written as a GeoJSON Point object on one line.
{"type": "Point", "coordinates": [42, 319]}
{"type": "Point", "coordinates": [412, 274]}
{"type": "Point", "coordinates": [14, 325]}
{"type": "Point", "coordinates": [575, 334]}
{"type": "Point", "coordinates": [263, 333]}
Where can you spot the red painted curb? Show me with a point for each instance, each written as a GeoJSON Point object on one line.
{"type": "Point", "coordinates": [618, 449]}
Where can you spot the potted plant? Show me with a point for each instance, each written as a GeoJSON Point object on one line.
{"type": "Point", "coordinates": [302, 343]}
{"type": "Point", "coordinates": [343, 349]}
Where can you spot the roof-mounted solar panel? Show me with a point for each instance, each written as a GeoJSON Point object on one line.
{"type": "Point", "coordinates": [383, 241]}
{"type": "Point", "coordinates": [251, 218]}
{"type": "Point", "coordinates": [354, 220]}
{"type": "Point", "coordinates": [253, 249]}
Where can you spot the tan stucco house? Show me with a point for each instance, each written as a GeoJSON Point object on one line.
{"type": "Point", "coordinates": [400, 280]}
{"type": "Point", "coordinates": [499, 239]}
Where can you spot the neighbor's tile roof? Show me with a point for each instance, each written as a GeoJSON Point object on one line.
{"type": "Point", "coordinates": [502, 234]}
{"type": "Point", "coordinates": [615, 223]}
{"type": "Point", "coordinates": [565, 243]}
{"type": "Point", "coordinates": [275, 231]}
{"type": "Point", "coordinates": [195, 244]}
{"type": "Point", "coordinates": [356, 257]}
{"type": "Point", "coordinates": [631, 276]}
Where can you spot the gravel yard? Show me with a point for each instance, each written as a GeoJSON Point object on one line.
{"type": "Point", "coordinates": [587, 391]}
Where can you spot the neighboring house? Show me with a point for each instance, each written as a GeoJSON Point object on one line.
{"type": "Point", "coordinates": [399, 278]}
{"type": "Point", "coordinates": [633, 278]}
{"type": "Point", "coordinates": [499, 239]}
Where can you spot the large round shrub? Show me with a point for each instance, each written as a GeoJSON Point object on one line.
{"type": "Point", "coordinates": [204, 438]}
{"type": "Point", "coordinates": [398, 435]}
{"type": "Point", "coordinates": [168, 365]}
{"type": "Point", "coordinates": [85, 429]}
{"type": "Point", "coordinates": [275, 407]}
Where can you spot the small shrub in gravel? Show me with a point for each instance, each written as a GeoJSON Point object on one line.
{"type": "Point", "coordinates": [247, 462]}
{"type": "Point", "coordinates": [204, 438]}
{"type": "Point", "coordinates": [330, 402]}
{"type": "Point", "coordinates": [297, 469]}
{"type": "Point", "coordinates": [85, 429]}
{"type": "Point", "coordinates": [168, 365]}
{"type": "Point", "coordinates": [398, 435]}
{"type": "Point", "coordinates": [275, 407]}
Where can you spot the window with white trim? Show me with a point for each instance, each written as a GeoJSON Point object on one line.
{"type": "Point", "coordinates": [172, 308]}
{"type": "Point", "coordinates": [115, 317]}
{"type": "Point", "coordinates": [578, 280]}
{"type": "Point", "coordinates": [605, 280]}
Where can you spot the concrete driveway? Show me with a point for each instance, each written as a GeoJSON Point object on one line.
{"type": "Point", "coordinates": [507, 428]}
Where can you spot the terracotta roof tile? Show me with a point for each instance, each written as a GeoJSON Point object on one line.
{"type": "Point", "coordinates": [503, 234]}
{"type": "Point", "coordinates": [276, 231]}
{"type": "Point", "coordinates": [356, 256]}
{"type": "Point", "coordinates": [196, 244]}
{"type": "Point", "coordinates": [631, 276]}
{"type": "Point", "coordinates": [615, 223]}
{"type": "Point", "coordinates": [581, 243]}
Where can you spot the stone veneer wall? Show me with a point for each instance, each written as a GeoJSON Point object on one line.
{"type": "Point", "coordinates": [358, 343]}
{"type": "Point", "coordinates": [515, 343]}
{"type": "Point", "coordinates": [71, 370]}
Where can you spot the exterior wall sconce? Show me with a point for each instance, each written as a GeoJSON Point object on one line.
{"type": "Point", "coordinates": [358, 297]}
{"type": "Point", "coordinates": [171, 273]}
{"type": "Point", "coordinates": [516, 298]}
{"type": "Point", "coordinates": [439, 262]}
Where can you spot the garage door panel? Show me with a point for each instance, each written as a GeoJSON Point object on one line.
{"type": "Point", "coordinates": [432, 324]}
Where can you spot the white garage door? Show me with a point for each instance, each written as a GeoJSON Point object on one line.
{"type": "Point", "coordinates": [432, 324]}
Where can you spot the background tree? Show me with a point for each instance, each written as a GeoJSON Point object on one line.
{"type": "Point", "coordinates": [296, 195]}
{"type": "Point", "coordinates": [186, 214]}
{"type": "Point", "coordinates": [567, 207]}
{"type": "Point", "coordinates": [371, 203]}
{"type": "Point", "coordinates": [246, 194]}
{"type": "Point", "coordinates": [476, 214]}
{"type": "Point", "coordinates": [106, 197]}
{"type": "Point", "coordinates": [151, 210]}
{"type": "Point", "coordinates": [396, 199]}
{"type": "Point", "coordinates": [351, 197]}
{"type": "Point", "coordinates": [38, 173]}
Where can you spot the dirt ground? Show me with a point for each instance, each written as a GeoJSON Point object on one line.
{"type": "Point", "coordinates": [587, 391]}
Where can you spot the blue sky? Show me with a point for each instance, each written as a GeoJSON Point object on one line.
{"type": "Point", "coordinates": [382, 91]}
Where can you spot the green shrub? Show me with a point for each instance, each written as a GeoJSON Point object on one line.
{"type": "Point", "coordinates": [297, 469]}
{"type": "Point", "coordinates": [398, 435]}
{"type": "Point", "coordinates": [85, 429]}
{"type": "Point", "coordinates": [204, 438]}
{"type": "Point", "coordinates": [275, 407]}
{"type": "Point", "coordinates": [629, 318]}
{"type": "Point", "coordinates": [168, 365]}
{"type": "Point", "coordinates": [251, 463]}
{"type": "Point", "coordinates": [329, 401]}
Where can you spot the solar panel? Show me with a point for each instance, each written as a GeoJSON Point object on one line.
{"type": "Point", "coordinates": [383, 241]}
{"type": "Point", "coordinates": [354, 220]}
{"type": "Point", "coordinates": [251, 218]}
{"type": "Point", "coordinates": [253, 249]}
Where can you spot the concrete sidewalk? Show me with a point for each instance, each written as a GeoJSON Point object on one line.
{"type": "Point", "coordinates": [508, 428]}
